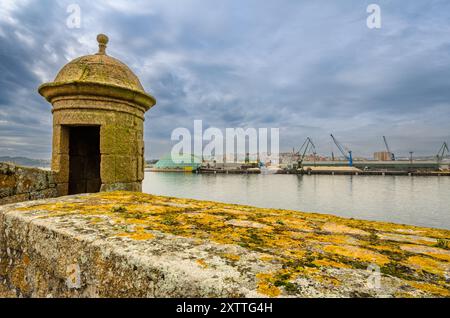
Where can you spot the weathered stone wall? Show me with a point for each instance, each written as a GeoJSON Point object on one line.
{"type": "Point", "coordinates": [121, 140]}
{"type": "Point", "coordinates": [124, 244]}
{"type": "Point", "coordinates": [18, 184]}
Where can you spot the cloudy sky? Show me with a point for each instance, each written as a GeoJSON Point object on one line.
{"type": "Point", "coordinates": [310, 68]}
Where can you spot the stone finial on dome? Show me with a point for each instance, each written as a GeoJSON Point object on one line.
{"type": "Point", "coordinates": [102, 42]}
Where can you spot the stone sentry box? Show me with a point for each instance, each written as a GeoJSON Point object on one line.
{"type": "Point", "coordinates": [98, 125]}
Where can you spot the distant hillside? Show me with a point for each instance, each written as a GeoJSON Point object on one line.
{"type": "Point", "coordinates": [27, 162]}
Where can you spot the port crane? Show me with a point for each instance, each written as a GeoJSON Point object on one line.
{"type": "Point", "coordinates": [387, 148]}
{"type": "Point", "coordinates": [347, 153]}
{"type": "Point", "coordinates": [308, 144]}
{"type": "Point", "coordinates": [441, 153]}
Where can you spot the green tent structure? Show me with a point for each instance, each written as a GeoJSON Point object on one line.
{"type": "Point", "coordinates": [178, 163]}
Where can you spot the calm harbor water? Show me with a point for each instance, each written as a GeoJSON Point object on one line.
{"type": "Point", "coordinates": [423, 201]}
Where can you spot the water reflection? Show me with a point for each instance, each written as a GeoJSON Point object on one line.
{"type": "Point", "coordinates": [422, 201]}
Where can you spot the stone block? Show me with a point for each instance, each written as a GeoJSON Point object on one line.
{"type": "Point", "coordinates": [7, 181]}
{"type": "Point", "coordinates": [140, 145]}
{"type": "Point", "coordinates": [134, 169]}
{"type": "Point", "coordinates": [125, 141]}
{"type": "Point", "coordinates": [107, 139]}
{"type": "Point", "coordinates": [7, 192]}
{"type": "Point", "coordinates": [60, 166]}
{"type": "Point", "coordinates": [44, 194]}
{"type": "Point", "coordinates": [15, 198]}
{"type": "Point", "coordinates": [29, 180]}
{"type": "Point", "coordinates": [60, 139]}
{"type": "Point", "coordinates": [62, 189]}
{"type": "Point", "coordinates": [140, 168]}
{"type": "Point", "coordinates": [125, 171]}
{"type": "Point", "coordinates": [122, 186]}
{"type": "Point", "coordinates": [51, 179]}
{"type": "Point", "coordinates": [107, 169]}
{"type": "Point", "coordinates": [126, 120]}
{"type": "Point", "coordinates": [79, 117]}
{"type": "Point", "coordinates": [136, 186]}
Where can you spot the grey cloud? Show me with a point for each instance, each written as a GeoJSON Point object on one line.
{"type": "Point", "coordinates": [306, 67]}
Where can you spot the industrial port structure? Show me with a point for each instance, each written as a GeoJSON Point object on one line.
{"type": "Point", "coordinates": [307, 161]}
{"type": "Point", "coordinates": [384, 163]}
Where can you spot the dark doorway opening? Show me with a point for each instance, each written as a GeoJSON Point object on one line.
{"type": "Point", "coordinates": [84, 159]}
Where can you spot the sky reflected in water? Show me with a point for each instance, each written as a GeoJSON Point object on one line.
{"type": "Point", "coordinates": [422, 201]}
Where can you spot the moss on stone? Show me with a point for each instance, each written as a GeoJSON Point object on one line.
{"type": "Point", "coordinates": [306, 246]}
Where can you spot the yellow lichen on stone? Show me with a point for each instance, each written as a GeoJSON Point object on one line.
{"type": "Point", "coordinates": [96, 220]}
{"type": "Point", "coordinates": [327, 280]}
{"type": "Point", "coordinates": [428, 264]}
{"type": "Point", "coordinates": [267, 258]}
{"type": "Point", "coordinates": [404, 238]}
{"type": "Point", "coordinates": [426, 250]}
{"type": "Point", "coordinates": [384, 248]}
{"type": "Point", "coordinates": [335, 239]}
{"type": "Point", "coordinates": [202, 263]}
{"type": "Point", "coordinates": [358, 253]}
{"type": "Point", "coordinates": [329, 263]}
{"type": "Point", "coordinates": [231, 257]}
{"type": "Point", "coordinates": [304, 245]}
{"type": "Point", "coordinates": [343, 229]}
{"type": "Point", "coordinates": [26, 260]}
{"type": "Point", "coordinates": [266, 287]}
{"type": "Point", "coordinates": [431, 288]}
{"type": "Point", "coordinates": [139, 234]}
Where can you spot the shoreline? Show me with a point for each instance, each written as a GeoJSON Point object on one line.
{"type": "Point", "coordinates": [308, 172]}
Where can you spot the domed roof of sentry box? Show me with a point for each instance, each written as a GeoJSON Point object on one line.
{"type": "Point", "coordinates": [97, 69]}
{"type": "Point", "coordinates": [100, 68]}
